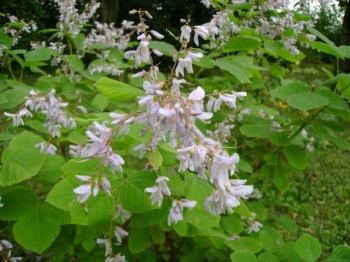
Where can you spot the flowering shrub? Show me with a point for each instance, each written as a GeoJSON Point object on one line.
{"type": "Point", "coordinates": [110, 168]}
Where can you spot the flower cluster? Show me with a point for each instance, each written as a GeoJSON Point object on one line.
{"type": "Point", "coordinates": [221, 28]}
{"type": "Point", "coordinates": [4, 246]}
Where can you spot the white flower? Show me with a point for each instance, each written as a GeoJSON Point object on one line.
{"type": "Point", "coordinates": [6, 244]}
{"type": "Point", "coordinates": [202, 31]}
{"type": "Point", "coordinates": [253, 226]}
{"type": "Point", "coordinates": [158, 190]}
{"type": "Point", "coordinates": [47, 148]}
{"type": "Point", "coordinates": [119, 233]}
{"type": "Point", "coordinates": [16, 118]}
{"type": "Point", "coordinates": [176, 210]}
{"type": "Point", "coordinates": [122, 213]}
{"type": "Point", "coordinates": [83, 192]}
{"type": "Point", "coordinates": [107, 244]}
{"type": "Point", "coordinates": [183, 63]}
{"type": "Point", "coordinates": [185, 33]}
{"type": "Point", "coordinates": [156, 34]}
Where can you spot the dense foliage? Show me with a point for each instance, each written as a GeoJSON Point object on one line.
{"type": "Point", "coordinates": [132, 144]}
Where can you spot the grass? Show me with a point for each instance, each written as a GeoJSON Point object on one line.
{"type": "Point", "coordinates": [318, 202]}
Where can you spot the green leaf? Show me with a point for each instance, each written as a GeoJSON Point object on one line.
{"type": "Point", "coordinates": [232, 224]}
{"type": "Point", "coordinates": [39, 54]}
{"type": "Point", "coordinates": [155, 159]}
{"type": "Point", "coordinates": [320, 35]}
{"type": "Point", "coordinates": [279, 139]}
{"type": "Point", "coordinates": [308, 248]}
{"type": "Point", "coordinates": [197, 189]}
{"type": "Point", "coordinates": [181, 228]}
{"type": "Point", "coordinates": [14, 98]}
{"type": "Point", "coordinates": [245, 256]}
{"type": "Point", "coordinates": [5, 40]}
{"type": "Point", "coordinates": [244, 166]}
{"type": "Point", "coordinates": [14, 207]}
{"type": "Point", "coordinates": [268, 242]}
{"type": "Point", "coordinates": [163, 47]}
{"type": "Point", "coordinates": [287, 223]}
{"type": "Point", "coordinates": [326, 49]}
{"type": "Point", "coordinates": [205, 61]}
{"type": "Point", "coordinates": [281, 178]}
{"type": "Point", "coordinates": [117, 91]}
{"type": "Point", "coordinates": [138, 240]}
{"type": "Point", "coordinates": [335, 101]}
{"type": "Point", "coordinates": [277, 70]}
{"type": "Point", "coordinates": [21, 160]}
{"type": "Point", "coordinates": [61, 195]}
{"type": "Point", "coordinates": [100, 101]}
{"type": "Point", "coordinates": [339, 254]}
{"type": "Point", "coordinates": [78, 40]}
{"type": "Point", "coordinates": [267, 257]}
{"type": "Point", "coordinates": [289, 90]}
{"type": "Point", "coordinates": [38, 229]}
{"type": "Point", "coordinates": [234, 70]}
{"type": "Point", "coordinates": [157, 235]}
{"type": "Point", "coordinates": [287, 253]}
{"type": "Point", "coordinates": [307, 101]}
{"type": "Point", "coordinates": [245, 243]}
{"type": "Point", "coordinates": [100, 209]}
{"type": "Point", "coordinates": [255, 130]}
{"type": "Point", "coordinates": [169, 155]}
{"type": "Point", "coordinates": [201, 218]}
{"type": "Point", "coordinates": [132, 195]}
{"type": "Point", "coordinates": [296, 156]}
{"type": "Point", "coordinates": [285, 54]}
{"type": "Point", "coordinates": [152, 217]}
{"type": "Point", "coordinates": [241, 43]}
{"type": "Point", "coordinates": [51, 169]}
{"type": "Point", "coordinates": [75, 62]}
{"type": "Point", "coordinates": [6, 136]}
{"type": "Point", "coordinates": [243, 210]}
{"type": "Point", "coordinates": [272, 47]}
{"type": "Point", "coordinates": [259, 209]}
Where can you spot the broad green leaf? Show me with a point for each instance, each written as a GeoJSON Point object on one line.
{"type": "Point", "coordinates": [153, 216]}
{"type": "Point", "coordinates": [5, 40]}
{"type": "Point", "coordinates": [273, 47]}
{"type": "Point", "coordinates": [117, 91]}
{"type": "Point", "coordinates": [287, 253]}
{"type": "Point", "coordinates": [296, 157]}
{"type": "Point", "coordinates": [320, 35]}
{"type": "Point", "coordinates": [307, 101]}
{"type": "Point", "coordinates": [335, 101]}
{"type": "Point", "coordinates": [138, 240]}
{"type": "Point", "coordinates": [286, 54]}
{"type": "Point", "coordinates": [268, 242]}
{"type": "Point", "coordinates": [157, 235]}
{"type": "Point", "coordinates": [38, 229]}
{"type": "Point", "coordinates": [240, 256]}
{"type": "Point", "coordinates": [39, 54]}
{"type": "Point", "coordinates": [245, 243]}
{"type": "Point", "coordinates": [51, 169]}
{"type": "Point", "coordinates": [240, 43]}
{"type": "Point", "coordinates": [18, 85]}
{"type": "Point", "coordinates": [201, 218]}
{"type": "Point", "coordinates": [308, 248]}
{"type": "Point", "coordinates": [14, 207]}
{"type": "Point", "coordinates": [75, 62]}
{"type": "Point", "coordinates": [6, 136]}
{"type": "Point", "coordinates": [205, 62]}
{"type": "Point", "coordinates": [289, 90]}
{"type": "Point", "coordinates": [279, 139]}
{"type": "Point", "coordinates": [78, 40]}
{"type": "Point", "coordinates": [176, 184]}
{"type": "Point", "coordinates": [14, 98]}
{"type": "Point", "coordinates": [232, 224]}
{"type": "Point", "coordinates": [234, 70]}
{"type": "Point", "coordinates": [243, 210]}
{"type": "Point", "coordinates": [100, 101]}
{"type": "Point", "coordinates": [326, 49]}
{"type": "Point", "coordinates": [339, 254]}
{"type": "Point", "coordinates": [259, 209]}
{"type": "Point", "coordinates": [267, 257]}
{"type": "Point", "coordinates": [21, 160]}
{"type": "Point", "coordinates": [244, 166]}
{"type": "Point", "coordinates": [98, 210]}
{"type": "Point", "coordinates": [132, 193]}
{"type": "Point", "coordinates": [277, 70]}
{"type": "Point", "coordinates": [163, 47]}
{"type": "Point", "coordinates": [281, 178]}
{"type": "Point", "coordinates": [287, 223]}
{"type": "Point", "coordinates": [211, 232]}
{"type": "Point", "coordinates": [155, 159]}
{"type": "Point", "coordinates": [344, 51]}
{"type": "Point", "coordinates": [61, 195]}
{"type": "Point", "coordinates": [33, 63]}
{"type": "Point", "coordinates": [181, 228]}
{"type": "Point", "coordinates": [169, 155]}
{"type": "Point", "coordinates": [255, 130]}
{"type": "Point", "coordinates": [197, 189]}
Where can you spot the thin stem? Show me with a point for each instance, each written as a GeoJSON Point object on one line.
{"type": "Point", "coordinates": [10, 69]}
{"type": "Point", "coordinates": [306, 123]}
